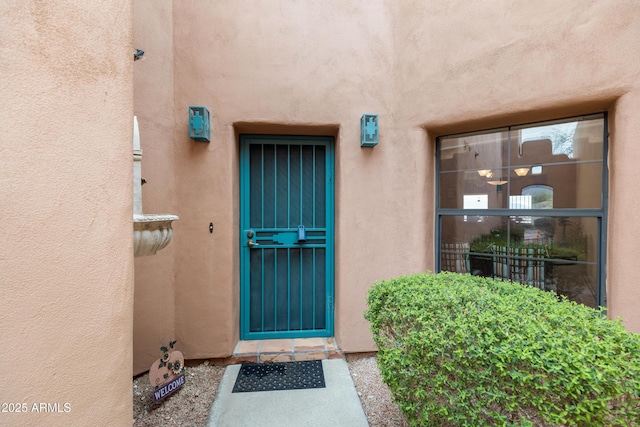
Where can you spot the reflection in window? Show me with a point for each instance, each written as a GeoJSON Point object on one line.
{"type": "Point", "coordinates": [560, 135]}
{"type": "Point", "coordinates": [476, 201]}
{"type": "Point", "coordinates": [541, 196]}
{"type": "Point", "coordinates": [521, 202]}
{"type": "Point", "coordinates": [555, 168]}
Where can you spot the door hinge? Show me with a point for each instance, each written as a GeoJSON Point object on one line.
{"type": "Point", "coordinates": [330, 302]}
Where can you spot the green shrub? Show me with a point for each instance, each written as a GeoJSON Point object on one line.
{"type": "Point", "coordinates": [460, 350]}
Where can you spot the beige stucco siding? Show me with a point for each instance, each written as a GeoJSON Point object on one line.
{"type": "Point", "coordinates": [427, 68]}
{"type": "Point", "coordinates": [66, 258]}
{"type": "Point", "coordinates": [509, 64]}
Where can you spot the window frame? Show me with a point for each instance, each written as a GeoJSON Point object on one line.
{"type": "Point", "coordinates": [601, 214]}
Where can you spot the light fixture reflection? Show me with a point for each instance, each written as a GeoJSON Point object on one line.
{"type": "Point", "coordinates": [497, 182]}
{"type": "Point", "coordinates": [484, 172]}
{"type": "Point", "coordinates": [521, 171]}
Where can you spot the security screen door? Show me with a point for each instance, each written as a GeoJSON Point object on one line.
{"type": "Point", "coordinates": [286, 236]}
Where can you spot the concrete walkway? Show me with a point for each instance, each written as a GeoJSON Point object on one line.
{"type": "Point", "coordinates": [335, 405]}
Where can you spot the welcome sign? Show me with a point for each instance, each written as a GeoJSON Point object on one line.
{"type": "Point", "coordinates": [167, 373]}
{"type": "Point", "coordinates": [168, 388]}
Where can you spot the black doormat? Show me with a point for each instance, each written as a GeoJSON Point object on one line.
{"type": "Point", "coordinates": [279, 376]}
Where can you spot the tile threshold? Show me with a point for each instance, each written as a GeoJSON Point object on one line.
{"type": "Point", "coordinates": [285, 350]}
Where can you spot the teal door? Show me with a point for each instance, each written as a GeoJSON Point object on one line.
{"type": "Point", "coordinates": [286, 237]}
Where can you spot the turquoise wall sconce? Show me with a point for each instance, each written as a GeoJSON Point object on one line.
{"type": "Point", "coordinates": [369, 130]}
{"type": "Point", "coordinates": [199, 123]}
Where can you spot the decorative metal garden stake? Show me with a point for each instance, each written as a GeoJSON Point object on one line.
{"type": "Point", "coordinates": [167, 373]}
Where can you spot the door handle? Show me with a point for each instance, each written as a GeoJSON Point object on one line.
{"type": "Point", "coordinates": [251, 243]}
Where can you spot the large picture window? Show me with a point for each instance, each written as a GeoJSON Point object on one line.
{"type": "Point", "coordinates": [527, 203]}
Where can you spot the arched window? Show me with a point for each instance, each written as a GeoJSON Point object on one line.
{"type": "Point", "coordinates": [541, 196]}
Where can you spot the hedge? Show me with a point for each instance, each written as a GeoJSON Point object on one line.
{"type": "Point", "coordinates": [461, 350]}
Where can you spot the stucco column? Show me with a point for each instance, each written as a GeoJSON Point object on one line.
{"type": "Point", "coordinates": [623, 293]}
{"type": "Point", "coordinates": [66, 258]}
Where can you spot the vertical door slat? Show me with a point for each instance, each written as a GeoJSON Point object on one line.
{"type": "Point", "coordinates": [262, 189]}
{"type": "Point", "coordinates": [288, 289]}
{"type": "Point", "coordinates": [262, 297]}
{"type": "Point", "coordinates": [275, 185]}
{"type": "Point", "coordinates": [313, 186]}
{"type": "Point", "coordinates": [275, 289]}
{"type": "Point", "coordinates": [313, 287]}
{"type": "Point", "coordinates": [288, 186]}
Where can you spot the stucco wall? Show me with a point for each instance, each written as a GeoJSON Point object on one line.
{"type": "Point", "coordinates": [269, 67]}
{"type": "Point", "coordinates": [154, 304]}
{"type": "Point", "coordinates": [622, 289]}
{"type": "Point", "coordinates": [466, 66]}
{"type": "Point", "coordinates": [512, 62]}
{"type": "Point", "coordinates": [428, 69]}
{"type": "Point", "coordinates": [66, 259]}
